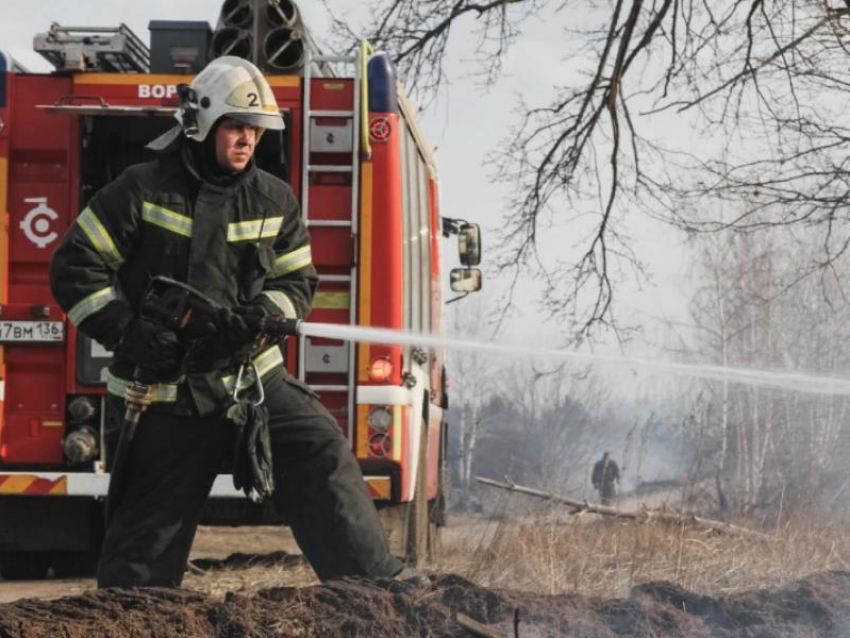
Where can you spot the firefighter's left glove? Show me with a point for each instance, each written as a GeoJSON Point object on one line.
{"type": "Point", "coordinates": [151, 347]}
{"type": "Point", "coordinates": [236, 334]}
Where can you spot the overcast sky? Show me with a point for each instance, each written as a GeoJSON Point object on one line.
{"type": "Point", "coordinates": [465, 124]}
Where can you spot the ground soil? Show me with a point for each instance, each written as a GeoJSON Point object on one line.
{"type": "Point", "coordinates": [818, 606]}
{"type": "Point", "coordinates": [267, 589]}
{"type": "Point", "coordinates": [211, 543]}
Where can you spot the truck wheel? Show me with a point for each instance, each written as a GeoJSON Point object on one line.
{"type": "Point", "coordinates": [435, 529]}
{"type": "Point", "coordinates": [422, 531]}
{"type": "Point", "coordinates": [438, 505]}
{"type": "Point", "coordinates": [74, 564]}
{"type": "Point", "coordinates": [24, 565]}
{"type": "Point", "coordinates": [437, 508]}
{"type": "Point", "coordinates": [83, 562]}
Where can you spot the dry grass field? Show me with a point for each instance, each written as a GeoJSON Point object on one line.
{"type": "Point", "coordinates": [590, 555]}
{"type": "Point", "coordinates": [604, 557]}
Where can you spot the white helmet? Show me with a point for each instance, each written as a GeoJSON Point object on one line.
{"type": "Point", "coordinates": [228, 87]}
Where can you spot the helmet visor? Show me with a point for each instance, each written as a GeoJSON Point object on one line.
{"type": "Point", "coordinates": [262, 120]}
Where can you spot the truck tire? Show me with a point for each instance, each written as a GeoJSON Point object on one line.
{"type": "Point", "coordinates": [438, 505]}
{"type": "Point", "coordinates": [24, 565]}
{"type": "Point", "coordinates": [74, 564]}
{"type": "Point", "coordinates": [435, 527]}
{"type": "Point", "coordinates": [413, 528]}
{"type": "Point", "coordinates": [422, 531]}
{"type": "Point", "coordinates": [78, 563]}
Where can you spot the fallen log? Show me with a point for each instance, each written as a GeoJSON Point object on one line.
{"type": "Point", "coordinates": [478, 629]}
{"type": "Point", "coordinates": [580, 507]}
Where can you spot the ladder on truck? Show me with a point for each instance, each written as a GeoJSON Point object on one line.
{"type": "Point", "coordinates": [323, 223]}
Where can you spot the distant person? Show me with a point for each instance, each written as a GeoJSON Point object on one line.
{"type": "Point", "coordinates": [605, 477]}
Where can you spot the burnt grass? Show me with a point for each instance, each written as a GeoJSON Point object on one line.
{"type": "Point", "coordinates": [817, 606]}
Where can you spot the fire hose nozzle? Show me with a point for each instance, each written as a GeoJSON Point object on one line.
{"type": "Point", "coordinates": [278, 326]}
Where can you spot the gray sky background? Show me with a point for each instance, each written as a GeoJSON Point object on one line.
{"type": "Point", "coordinates": [465, 124]}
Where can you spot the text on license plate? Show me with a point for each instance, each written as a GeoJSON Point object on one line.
{"type": "Point", "coordinates": [32, 331]}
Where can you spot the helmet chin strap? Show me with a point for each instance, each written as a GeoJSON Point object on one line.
{"type": "Point", "coordinates": [188, 110]}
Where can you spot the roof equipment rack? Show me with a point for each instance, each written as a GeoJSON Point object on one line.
{"type": "Point", "coordinates": [111, 49]}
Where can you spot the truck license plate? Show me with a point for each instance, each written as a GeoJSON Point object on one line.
{"type": "Point", "coordinates": [32, 331]}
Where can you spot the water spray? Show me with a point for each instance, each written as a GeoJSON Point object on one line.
{"type": "Point", "coordinates": [176, 304]}
{"type": "Point", "coordinates": [799, 382]}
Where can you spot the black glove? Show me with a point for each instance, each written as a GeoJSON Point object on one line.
{"type": "Point", "coordinates": [152, 347]}
{"type": "Point", "coordinates": [246, 322]}
{"type": "Point", "coordinates": [239, 326]}
{"type": "Point", "coordinates": [235, 334]}
{"type": "Point", "coordinates": [252, 460]}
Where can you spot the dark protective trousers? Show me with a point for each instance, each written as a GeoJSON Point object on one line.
{"type": "Point", "coordinates": [174, 460]}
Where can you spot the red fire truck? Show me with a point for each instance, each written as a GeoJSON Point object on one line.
{"type": "Point", "coordinates": [367, 183]}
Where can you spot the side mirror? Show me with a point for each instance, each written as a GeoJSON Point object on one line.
{"type": "Point", "coordinates": [469, 245]}
{"type": "Point", "coordinates": [465, 279]}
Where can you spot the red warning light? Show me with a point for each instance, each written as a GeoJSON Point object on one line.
{"type": "Point", "coordinates": [380, 445]}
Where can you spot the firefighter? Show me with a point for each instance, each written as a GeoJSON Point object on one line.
{"type": "Point", "coordinates": [204, 214]}
{"type": "Point", "coordinates": [605, 477]}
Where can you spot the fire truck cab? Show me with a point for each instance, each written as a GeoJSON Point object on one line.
{"type": "Point", "coordinates": [367, 183]}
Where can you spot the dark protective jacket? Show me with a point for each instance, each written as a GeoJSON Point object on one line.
{"type": "Point", "coordinates": [605, 472]}
{"type": "Point", "coordinates": [237, 242]}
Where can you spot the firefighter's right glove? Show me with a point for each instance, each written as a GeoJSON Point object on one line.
{"type": "Point", "coordinates": [152, 347]}
{"type": "Point", "coordinates": [236, 333]}
{"type": "Point", "coordinates": [249, 320]}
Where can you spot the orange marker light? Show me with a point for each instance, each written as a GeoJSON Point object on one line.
{"type": "Point", "coordinates": [381, 369]}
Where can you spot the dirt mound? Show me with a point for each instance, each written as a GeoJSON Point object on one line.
{"type": "Point", "coordinates": [816, 606]}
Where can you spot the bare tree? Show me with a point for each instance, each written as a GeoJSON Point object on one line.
{"type": "Point", "coordinates": [766, 443]}
{"type": "Point", "coordinates": [472, 382]}
{"type": "Point", "coordinates": [760, 87]}
{"type": "Point", "coordinates": [560, 422]}
{"type": "Point", "coordinates": [539, 424]}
